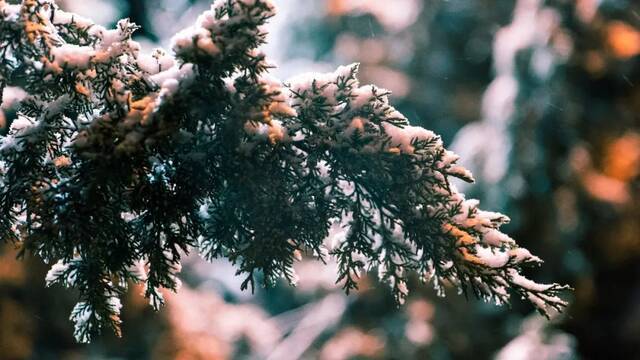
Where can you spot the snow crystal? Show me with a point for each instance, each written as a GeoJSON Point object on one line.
{"type": "Point", "coordinates": [460, 172]}
{"type": "Point", "coordinates": [58, 269]}
{"type": "Point", "coordinates": [64, 18]}
{"type": "Point", "coordinates": [81, 315]}
{"type": "Point", "coordinates": [20, 124]}
{"type": "Point", "coordinates": [304, 82]}
{"type": "Point", "coordinates": [155, 62]}
{"type": "Point", "coordinates": [138, 270]}
{"type": "Point", "coordinates": [172, 77]}
{"type": "Point", "coordinates": [11, 96]}
{"type": "Point", "coordinates": [495, 237]}
{"type": "Point", "coordinates": [491, 257]}
{"type": "Point", "coordinates": [403, 137]}
{"type": "Point", "coordinates": [8, 12]}
{"type": "Point", "coordinates": [362, 96]}
{"type": "Point", "coordinates": [72, 56]}
{"type": "Point", "coordinates": [198, 38]}
{"type": "Point", "coordinates": [114, 304]}
{"type": "Point", "coordinates": [338, 232]}
{"type": "Point", "coordinates": [325, 83]}
{"type": "Point", "coordinates": [114, 43]}
{"type": "Point", "coordinates": [520, 255]}
{"type": "Point", "coordinates": [169, 87]}
{"type": "Point", "coordinates": [518, 279]}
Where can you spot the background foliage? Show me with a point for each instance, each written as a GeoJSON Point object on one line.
{"type": "Point", "coordinates": [569, 182]}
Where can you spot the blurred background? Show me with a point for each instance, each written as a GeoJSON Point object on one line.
{"type": "Point", "coordinates": [542, 101]}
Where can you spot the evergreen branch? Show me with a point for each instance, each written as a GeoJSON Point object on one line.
{"type": "Point", "coordinates": [120, 162]}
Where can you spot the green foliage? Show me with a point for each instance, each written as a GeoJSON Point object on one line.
{"type": "Point", "coordinates": [119, 163]}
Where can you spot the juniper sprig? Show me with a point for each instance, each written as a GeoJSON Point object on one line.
{"type": "Point", "coordinates": [120, 162]}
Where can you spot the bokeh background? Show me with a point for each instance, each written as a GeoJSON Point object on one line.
{"type": "Point", "coordinates": [541, 99]}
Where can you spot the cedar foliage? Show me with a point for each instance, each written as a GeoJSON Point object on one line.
{"type": "Point", "coordinates": [120, 162]}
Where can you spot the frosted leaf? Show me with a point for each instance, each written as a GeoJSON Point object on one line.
{"type": "Point", "coordinates": [81, 317]}
{"type": "Point", "coordinates": [518, 279]}
{"type": "Point", "coordinates": [73, 56]}
{"type": "Point", "coordinates": [62, 272]}
{"type": "Point", "coordinates": [57, 270]}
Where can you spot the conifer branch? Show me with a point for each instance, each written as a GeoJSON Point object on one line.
{"type": "Point", "coordinates": [121, 162]}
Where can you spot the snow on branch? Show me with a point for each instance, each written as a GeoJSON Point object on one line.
{"type": "Point", "coordinates": [120, 162]}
